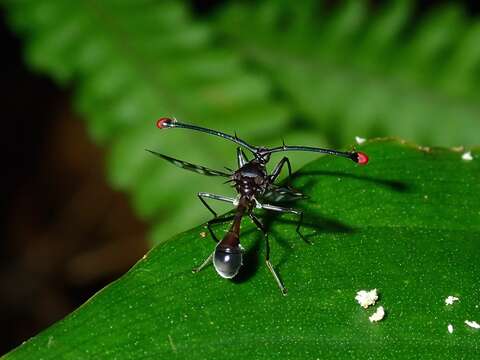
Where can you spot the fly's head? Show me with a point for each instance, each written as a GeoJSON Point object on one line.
{"type": "Point", "coordinates": [262, 155]}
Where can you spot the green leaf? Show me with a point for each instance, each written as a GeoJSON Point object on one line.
{"type": "Point", "coordinates": [407, 224]}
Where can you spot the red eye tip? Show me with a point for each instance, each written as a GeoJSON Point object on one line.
{"type": "Point", "coordinates": [362, 158]}
{"type": "Point", "coordinates": [162, 123]}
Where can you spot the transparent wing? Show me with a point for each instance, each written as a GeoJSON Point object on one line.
{"type": "Point", "coordinates": [188, 166]}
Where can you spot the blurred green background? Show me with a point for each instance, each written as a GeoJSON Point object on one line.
{"type": "Point", "coordinates": [86, 80]}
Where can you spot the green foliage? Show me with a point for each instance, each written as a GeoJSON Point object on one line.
{"type": "Point", "coordinates": [134, 61]}
{"type": "Point", "coordinates": [407, 224]}
{"type": "Point", "coordinates": [359, 71]}
{"type": "Point", "coordinates": [259, 71]}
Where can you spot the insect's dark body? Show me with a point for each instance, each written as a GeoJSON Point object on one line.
{"type": "Point", "coordinates": [228, 254]}
{"type": "Point", "coordinates": [251, 180]}
{"type": "Point", "coordinates": [255, 189]}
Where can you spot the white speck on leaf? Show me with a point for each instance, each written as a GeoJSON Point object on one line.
{"type": "Point", "coordinates": [377, 315]}
{"type": "Point", "coordinates": [360, 140]}
{"type": "Point", "coordinates": [472, 324]}
{"type": "Point", "coordinates": [366, 298]}
{"type": "Point", "coordinates": [451, 299]}
{"type": "Point", "coordinates": [450, 328]}
{"type": "Point", "coordinates": [467, 156]}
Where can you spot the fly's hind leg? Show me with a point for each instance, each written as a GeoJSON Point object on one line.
{"type": "Point", "coordinates": [279, 282]}
{"type": "Point", "coordinates": [299, 213]}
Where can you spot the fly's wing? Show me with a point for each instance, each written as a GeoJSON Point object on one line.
{"type": "Point", "coordinates": [192, 167]}
{"type": "Point", "coordinates": [281, 194]}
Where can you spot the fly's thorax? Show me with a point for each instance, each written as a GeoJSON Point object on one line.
{"type": "Point", "coordinates": [251, 179]}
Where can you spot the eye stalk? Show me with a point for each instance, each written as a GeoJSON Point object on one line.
{"type": "Point", "coordinates": [227, 260]}
{"type": "Point", "coordinates": [164, 122]}
{"type": "Point", "coordinates": [361, 158]}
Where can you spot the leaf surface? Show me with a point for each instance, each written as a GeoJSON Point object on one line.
{"type": "Point", "coordinates": [407, 224]}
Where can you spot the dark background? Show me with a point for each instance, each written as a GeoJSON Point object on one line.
{"type": "Point", "coordinates": [64, 233]}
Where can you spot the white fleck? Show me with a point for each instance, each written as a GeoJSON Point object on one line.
{"type": "Point", "coordinates": [424, 148]}
{"type": "Point", "coordinates": [467, 156]}
{"type": "Point", "coordinates": [377, 315]}
{"type": "Point", "coordinates": [366, 298]}
{"type": "Point", "coordinates": [472, 324]}
{"type": "Point", "coordinates": [451, 299]}
{"type": "Point", "coordinates": [360, 140]}
{"type": "Point", "coordinates": [236, 201]}
{"type": "Point", "coordinates": [450, 328]}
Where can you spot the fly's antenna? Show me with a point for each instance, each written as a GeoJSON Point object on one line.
{"type": "Point", "coordinates": [163, 123]}
{"type": "Point", "coordinates": [356, 156]}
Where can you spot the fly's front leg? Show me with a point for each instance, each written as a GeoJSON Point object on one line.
{"type": "Point", "coordinates": [259, 225]}
{"type": "Point", "coordinates": [278, 169]}
{"type": "Point", "coordinates": [241, 157]}
{"type": "Point", "coordinates": [299, 213]}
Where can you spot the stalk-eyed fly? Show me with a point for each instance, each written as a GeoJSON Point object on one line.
{"type": "Point", "coordinates": [255, 188]}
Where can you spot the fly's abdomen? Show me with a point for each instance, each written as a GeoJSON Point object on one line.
{"type": "Point", "coordinates": [227, 260]}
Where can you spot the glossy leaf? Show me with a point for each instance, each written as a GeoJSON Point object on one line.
{"type": "Point", "coordinates": [407, 224]}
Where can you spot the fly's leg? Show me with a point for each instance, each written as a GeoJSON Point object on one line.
{"type": "Point", "coordinates": [299, 213]}
{"type": "Point", "coordinates": [220, 220]}
{"type": "Point", "coordinates": [206, 262]}
{"type": "Point", "coordinates": [202, 195]}
{"type": "Point", "coordinates": [279, 167]}
{"type": "Point", "coordinates": [259, 225]}
{"type": "Point", "coordinates": [215, 220]}
{"type": "Point", "coordinates": [241, 157]}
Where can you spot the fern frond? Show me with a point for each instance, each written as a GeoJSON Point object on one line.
{"type": "Point", "coordinates": [132, 62]}
{"type": "Point", "coordinates": [356, 70]}
{"type": "Point", "coordinates": [346, 71]}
